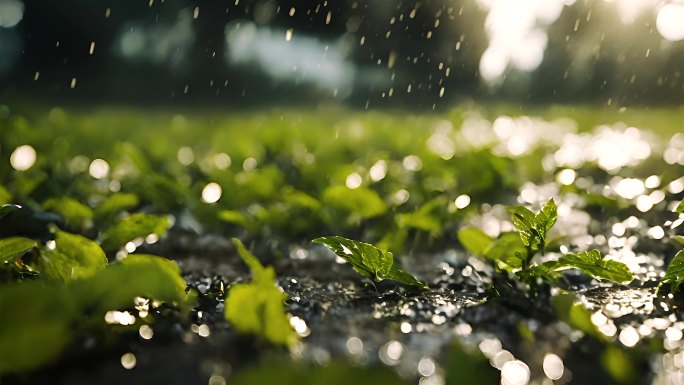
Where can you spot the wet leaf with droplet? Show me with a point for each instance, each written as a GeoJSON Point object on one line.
{"type": "Point", "coordinates": [368, 260]}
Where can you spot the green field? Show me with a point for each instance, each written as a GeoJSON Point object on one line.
{"type": "Point", "coordinates": [101, 189]}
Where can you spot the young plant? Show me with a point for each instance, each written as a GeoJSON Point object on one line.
{"type": "Point", "coordinates": [258, 307]}
{"type": "Point", "coordinates": [533, 227]}
{"type": "Point", "coordinates": [514, 252]}
{"type": "Point", "coordinates": [369, 261]}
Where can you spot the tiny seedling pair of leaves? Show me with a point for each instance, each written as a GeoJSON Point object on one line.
{"type": "Point", "coordinates": [674, 275]}
{"type": "Point", "coordinates": [368, 260]}
{"type": "Point", "coordinates": [533, 227]}
{"type": "Point", "coordinates": [258, 307]}
{"type": "Point", "coordinates": [589, 262]}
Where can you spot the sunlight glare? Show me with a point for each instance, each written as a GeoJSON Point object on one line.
{"type": "Point", "coordinates": [553, 366]}
{"type": "Point", "coordinates": [212, 193]}
{"type": "Point", "coordinates": [23, 158]}
{"type": "Point", "coordinates": [99, 169]}
{"type": "Point", "coordinates": [515, 373]}
{"type": "Point", "coordinates": [670, 21]}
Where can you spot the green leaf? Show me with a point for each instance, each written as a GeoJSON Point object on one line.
{"type": "Point", "coordinates": [680, 207]}
{"type": "Point", "coordinates": [589, 262]}
{"type": "Point", "coordinates": [678, 240]}
{"type": "Point", "coordinates": [114, 204]}
{"type": "Point", "coordinates": [619, 365]}
{"type": "Point", "coordinates": [368, 260]}
{"type": "Point", "coordinates": [523, 220]}
{"type": "Point", "coordinates": [38, 319]}
{"type": "Point", "coordinates": [237, 218]}
{"type": "Point", "coordinates": [675, 271]}
{"type": "Point", "coordinates": [36, 325]}
{"type": "Point", "coordinates": [76, 214]}
{"type": "Point", "coordinates": [345, 249]}
{"type": "Point", "coordinates": [475, 240]}
{"type": "Point", "coordinates": [424, 218]}
{"type": "Point", "coordinates": [300, 199]}
{"type": "Point", "coordinates": [592, 263]}
{"type": "Point", "coordinates": [13, 248]}
{"type": "Point", "coordinates": [548, 215]}
{"type": "Point", "coordinates": [533, 227]}
{"type": "Point", "coordinates": [260, 274]}
{"type": "Point", "coordinates": [548, 270]}
{"type": "Point", "coordinates": [467, 365]}
{"type": "Point", "coordinates": [508, 252]}
{"type": "Point", "coordinates": [6, 209]}
{"type": "Point", "coordinates": [569, 310]}
{"type": "Point", "coordinates": [137, 275]}
{"type": "Point", "coordinates": [362, 201]}
{"type": "Point", "coordinates": [401, 276]}
{"type": "Point", "coordinates": [132, 227]}
{"type": "Point", "coordinates": [258, 307]}
{"type": "Point", "coordinates": [74, 257]}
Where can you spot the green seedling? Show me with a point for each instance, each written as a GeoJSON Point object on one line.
{"type": "Point", "coordinates": [369, 261]}
{"type": "Point", "coordinates": [258, 307]}
{"type": "Point", "coordinates": [514, 252]}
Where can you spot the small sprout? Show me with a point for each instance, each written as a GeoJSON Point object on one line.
{"type": "Point", "coordinates": [513, 253]}
{"type": "Point", "coordinates": [533, 227]}
{"type": "Point", "coordinates": [258, 307]}
{"type": "Point", "coordinates": [368, 260]}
